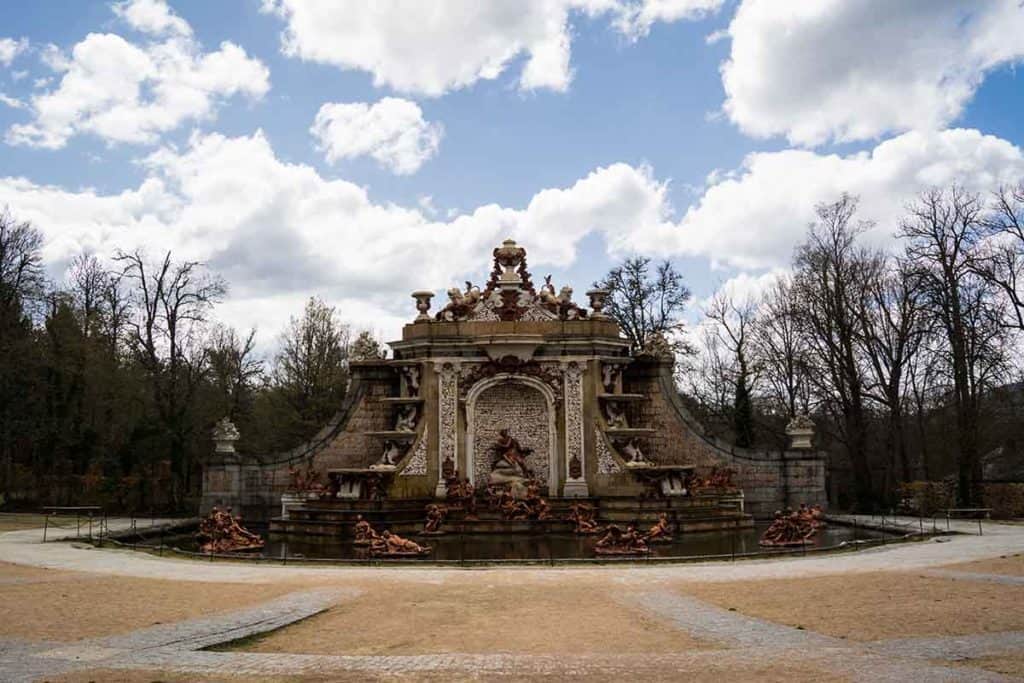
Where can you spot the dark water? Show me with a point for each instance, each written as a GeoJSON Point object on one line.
{"type": "Point", "coordinates": [545, 547]}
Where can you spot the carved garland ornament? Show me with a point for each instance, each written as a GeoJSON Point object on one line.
{"type": "Point", "coordinates": [448, 410]}
{"type": "Point", "coordinates": [548, 373]}
{"type": "Point", "coordinates": [574, 420]}
{"type": "Point", "coordinates": [606, 463]}
{"type": "Point", "coordinates": [417, 464]}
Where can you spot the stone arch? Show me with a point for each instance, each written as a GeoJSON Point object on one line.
{"type": "Point", "coordinates": [544, 412]}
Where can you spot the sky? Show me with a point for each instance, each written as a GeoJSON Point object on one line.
{"type": "Point", "coordinates": [360, 151]}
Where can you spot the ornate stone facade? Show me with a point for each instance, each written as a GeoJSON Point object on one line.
{"type": "Point", "coordinates": [511, 355]}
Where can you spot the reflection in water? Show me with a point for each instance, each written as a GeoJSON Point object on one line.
{"type": "Point", "coordinates": [455, 547]}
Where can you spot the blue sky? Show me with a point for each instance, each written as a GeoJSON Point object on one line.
{"type": "Point", "coordinates": [815, 97]}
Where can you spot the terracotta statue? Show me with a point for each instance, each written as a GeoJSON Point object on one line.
{"type": "Point", "coordinates": [393, 545]}
{"type": "Point", "coordinates": [538, 507]}
{"type": "Point", "coordinates": [618, 542]}
{"type": "Point", "coordinates": [435, 518]}
{"type": "Point", "coordinates": [509, 459]}
{"type": "Point", "coordinates": [363, 533]}
{"type": "Point", "coordinates": [221, 532]}
{"type": "Point", "coordinates": [788, 528]}
{"type": "Point", "coordinates": [661, 532]}
{"type": "Point", "coordinates": [582, 517]}
{"type": "Point", "coordinates": [461, 494]}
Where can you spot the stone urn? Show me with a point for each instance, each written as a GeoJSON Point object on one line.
{"type": "Point", "coordinates": [800, 431]}
{"type": "Point", "coordinates": [225, 434]}
{"type": "Point", "coordinates": [423, 298]}
{"type": "Point", "coordinates": [598, 297]}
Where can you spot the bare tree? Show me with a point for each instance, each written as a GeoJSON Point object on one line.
{"type": "Point", "coordinates": [830, 281]}
{"type": "Point", "coordinates": [733, 322]}
{"type": "Point", "coordinates": [172, 302]}
{"type": "Point", "coordinates": [1000, 260]}
{"type": "Point", "coordinates": [893, 327]}
{"type": "Point", "coordinates": [234, 371]}
{"type": "Point", "coordinates": [21, 270]}
{"type": "Point", "coordinates": [942, 232]}
{"type": "Point", "coordinates": [644, 305]}
{"type": "Point", "coordinates": [781, 350]}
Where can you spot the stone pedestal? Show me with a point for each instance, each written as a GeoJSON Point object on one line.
{"type": "Point", "coordinates": [291, 500]}
{"type": "Point", "coordinates": [576, 488]}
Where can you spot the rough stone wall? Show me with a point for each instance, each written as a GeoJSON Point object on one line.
{"type": "Point", "coordinates": [524, 412]}
{"type": "Point", "coordinates": [770, 479]}
{"type": "Point", "coordinates": [351, 448]}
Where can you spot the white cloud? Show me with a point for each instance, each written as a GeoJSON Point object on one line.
{"type": "Point", "coordinates": [392, 131]}
{"type": "Point", "coordinates": [637, 18]}
{"type": "Point", "coordinates": [152, 16]}
{"type": "Point", "coordinates": [838, 70]}
{"type": "Point", "coordinates": [124, 92]}
{"type": "Point", "coordinates": [752, 217]}
{"type": "Point", "coordinates": [412, 47]}
{"type": "Point", "coordinates": [11, 48]}
{"type": "Point", "coordinates": [12, 102]}
{"type": "Point", "coordinates": [280, 231]}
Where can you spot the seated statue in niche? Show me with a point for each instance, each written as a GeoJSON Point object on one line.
{"type": "Point", "coordinates": [509, 463]}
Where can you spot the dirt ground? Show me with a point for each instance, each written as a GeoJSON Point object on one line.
{"type": "Point", "coordinates": [872, 606]}
{"type": "Point", "coordinates": [477, 618]}
{"type": "Point", "coordinates": [1008, 665]}
{"type": "Point", "coordinates": [16, 521]}
{"type": "Point", "coordinates": [706, 674]}
{"type": "Point", "coordinates": [48, 604]}
{"type": "Point", "coordinates": [1008, 565]}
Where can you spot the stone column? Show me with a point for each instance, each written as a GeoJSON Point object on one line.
{"type": "Point", "coordinates": [575, 463]}
{"type": "Point", "coordinates": [447, 423]}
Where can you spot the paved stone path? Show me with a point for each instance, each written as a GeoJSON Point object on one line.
{"type": "Point", "coordinates": [745, 642]}
{"type": "Point", "coordinates": [775, 642]}
{"type": "Point", "coordinates": [751, 643]}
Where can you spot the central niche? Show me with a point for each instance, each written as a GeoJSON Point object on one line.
{"type": "Point", "coordinates": [521, 409]}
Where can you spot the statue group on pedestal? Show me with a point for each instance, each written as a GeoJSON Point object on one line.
{"type": "Point", "coordinates": [794, 527]}
{"type": "Point", "coordinates": [222, 532]}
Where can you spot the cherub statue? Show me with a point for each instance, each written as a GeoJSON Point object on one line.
{"type": "Point", "coordinates": [632, 451]}
{"type": "Point", "coordinates": [406, 421]}
{"type": "Point", "coordinates": [435, 518]}
{"type": "Point", "coordinates": [615, 415]}
{"type": "Point", "coordinates": [412, 380]}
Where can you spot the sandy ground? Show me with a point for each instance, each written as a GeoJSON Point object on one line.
{"type": "Point", "coordinates": [1008, 665]}
{"type": "Point", "coordinates": [16, 521]}
{"type": "Point", "coordinates": [49, 604]}
{"type": "Point", "coordinates": [713, 673]}
{"type": "Point", "coordinates": [874, 606]}
{"type": "Point", "coordinates": [527, 618]}
{"type": "Point", "coordinates": [1008, 565]}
